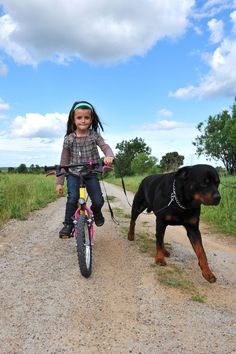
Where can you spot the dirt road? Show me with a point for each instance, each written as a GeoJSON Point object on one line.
{"type": "Point", "coordinates": [48, 307]}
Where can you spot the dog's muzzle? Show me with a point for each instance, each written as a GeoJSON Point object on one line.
{"type": "Point", "coordinates": [216, 198]}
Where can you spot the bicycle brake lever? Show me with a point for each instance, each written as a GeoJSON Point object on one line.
{"type": "Point", "coordinates": [50, 173]}
{"type": "Point", "coordinates": [106, 168]}
{"type": "Point", "coordinates": [60, 173]}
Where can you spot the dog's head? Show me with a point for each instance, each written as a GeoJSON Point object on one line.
{"type": "Point", "coordinates": [200, 184]}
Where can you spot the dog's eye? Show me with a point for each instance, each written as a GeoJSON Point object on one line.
{"type": "Point", "coordinates": [205, 183]}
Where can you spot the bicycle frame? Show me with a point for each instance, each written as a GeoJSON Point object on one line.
{"type": "Point", "coordinates": [83, 209]}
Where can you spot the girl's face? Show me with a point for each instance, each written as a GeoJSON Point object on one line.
{"type": "Point", "coordinates": [82, 119]}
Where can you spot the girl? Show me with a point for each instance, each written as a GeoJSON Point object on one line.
{"type": "Point", "coordinates": [80, 145]}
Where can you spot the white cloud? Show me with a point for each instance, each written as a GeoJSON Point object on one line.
{"type": "Point", "coordinates": [33, 139]}
{"type": "Point", "coordinates": [35, 125]}
{"type": "Point", "coordinates": [10, 46]}
{"type": "Point", "coordinates": [211, 8]}
{"type": "Point", "coordinates": [216, 28]}
{"type": "Point", "coordinates": [29, 151]}
{"type": "Point", "coordinates": [221, 78]}
{"type": "Point", "coordinates": [100, 31]}
{"type": "Point", "coordinates": [233, 19]}
{"type": "Point", "coordinates": [163, 141]}
{"type": "Point", "coordinates": [165, 112]}
{"type": "Point", "coordinates": [162, 125]}
{"type": "Point", "coordinates": [3, 107]}
{"type": "Point", "coordinates": [3, 69]}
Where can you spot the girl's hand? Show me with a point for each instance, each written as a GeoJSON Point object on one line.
{"type": "Point", "coordinates": [59, 190]}
{"type": "Point", "coordinates": [108, 160]}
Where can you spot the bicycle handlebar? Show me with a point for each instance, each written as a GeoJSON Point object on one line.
{"type": "Point", "coordinates": [91, 164]}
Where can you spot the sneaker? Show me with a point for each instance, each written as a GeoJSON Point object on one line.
{"type": "Point", "coordinates": [66, 231]}
{"type": "Point", "coordinates": [99, 219]}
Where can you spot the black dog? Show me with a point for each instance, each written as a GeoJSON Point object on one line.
{"type": "Point", "coordinates": [175, 199]}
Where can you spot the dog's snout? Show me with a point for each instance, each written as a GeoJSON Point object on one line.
{"type": "Point", "coordinates": [216, 198]}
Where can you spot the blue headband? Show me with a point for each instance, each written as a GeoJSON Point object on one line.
{"type": "Point", "coordinates": [83, 104]}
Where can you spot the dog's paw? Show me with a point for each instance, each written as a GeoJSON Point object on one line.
{"type": "Point", "coordinates": [209, 277]}
{"type": "Point", "coordinates": [160, 261]}
{"type": "Point", "coordinates": [130, 236]}
{"type": "Point", "coordinates": [166, 253]}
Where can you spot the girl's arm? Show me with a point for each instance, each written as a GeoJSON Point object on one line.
{"type": "Point", "coordinates": [106, 149]}
{"type": "Point", "coordinates": [65, 159]}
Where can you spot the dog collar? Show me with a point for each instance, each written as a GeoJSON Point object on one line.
{"type": "Point", "coordinates": [174, 197]}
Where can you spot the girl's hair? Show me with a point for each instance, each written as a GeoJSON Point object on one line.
{"type": "Point", "coordinates": [96, 123]}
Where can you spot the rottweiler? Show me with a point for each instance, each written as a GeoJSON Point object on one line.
{"type": "Point", "coordinates": [176, 198]}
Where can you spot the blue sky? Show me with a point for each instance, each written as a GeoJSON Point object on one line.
{"type": "Point", "coordinates": [152, 69]}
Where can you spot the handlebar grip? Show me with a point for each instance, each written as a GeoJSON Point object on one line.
{"type": "Point", "coordinates": [50, 168]}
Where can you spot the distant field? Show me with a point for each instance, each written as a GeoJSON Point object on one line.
{"type": "Point", "coordinates": [20, 194]}
{"type": "Point", "coordinates": [222, 217]}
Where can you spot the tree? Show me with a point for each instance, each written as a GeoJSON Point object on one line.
{"type": "Point", "coordinates": [127, 151]}
{"type": "Point", "coordinates": [22, 168]}
{"type": "Point", "coordinates": [218, 138]}
{"type": "Point", "coordinates": [171, 161]}
{"type": "Point", "coordinates": [143, 163]}
{"type": "Point", "coordinates": [34, 169]}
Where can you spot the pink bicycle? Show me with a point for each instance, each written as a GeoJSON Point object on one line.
{"type": "Point", "coordinates": [83, 230]}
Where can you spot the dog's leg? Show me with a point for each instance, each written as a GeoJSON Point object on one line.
{"type": "Point", "coordinates": [137, 208]}
{"type": "Point", "coordinates": [131, 230]}
{"type": "Point", "coordinates": [195, 238]}
{"type": "Point", "coordinates": [161, 251]}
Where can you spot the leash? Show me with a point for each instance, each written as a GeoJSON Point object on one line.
{"type": "Point", "coordinates": [123, 185]}
{"type": "Point", "coordinates": [109, 205]}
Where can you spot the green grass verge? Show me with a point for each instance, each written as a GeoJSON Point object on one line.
{"type": "Point", "coordinates": [20, 194]}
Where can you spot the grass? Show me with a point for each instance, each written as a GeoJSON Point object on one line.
{"type": "Point", "coordinates": [173, 276]}
{"type": "Point", "coordinates": [20, 194]}
{"type": "Point", "coordinates": [223, 217]}
{"type": "Point", "coordinates": [131, 182]}
{"type": "Point", "coordinates": [111, 198]}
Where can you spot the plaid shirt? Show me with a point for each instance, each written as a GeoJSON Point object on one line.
{"type": "Point", "coordinates": [77, 150]}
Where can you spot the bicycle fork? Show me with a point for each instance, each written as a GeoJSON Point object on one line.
{"type": "Point", "coordinates": [83, 210]}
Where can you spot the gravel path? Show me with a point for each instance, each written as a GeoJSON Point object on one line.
{"type": "Point", "coordinates": [48, 307]}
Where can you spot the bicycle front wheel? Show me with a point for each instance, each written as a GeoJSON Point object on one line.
{"type": "Point", "coordinates": [84, 246]}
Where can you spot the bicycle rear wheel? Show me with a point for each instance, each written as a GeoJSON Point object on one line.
{"type": "Point", "coordinates": [84, 246]}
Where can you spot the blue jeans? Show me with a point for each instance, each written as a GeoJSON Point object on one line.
{"type": "Point", "coordinates": [94, 191]}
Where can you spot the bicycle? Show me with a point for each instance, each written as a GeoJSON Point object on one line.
{"type": "Point", "coordinates": [83, 220]}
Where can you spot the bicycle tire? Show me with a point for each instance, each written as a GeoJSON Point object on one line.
{"type": "Point", "coordinates": [84, 246]}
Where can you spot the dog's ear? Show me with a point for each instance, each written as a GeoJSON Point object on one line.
{"type": "Point", "coordinates": [183, 172]}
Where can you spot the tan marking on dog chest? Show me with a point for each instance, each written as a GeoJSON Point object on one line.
{"type": "Point", "coordinates": [168, 217]}
{"type": "Point", "coordinates": [192, 220]}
